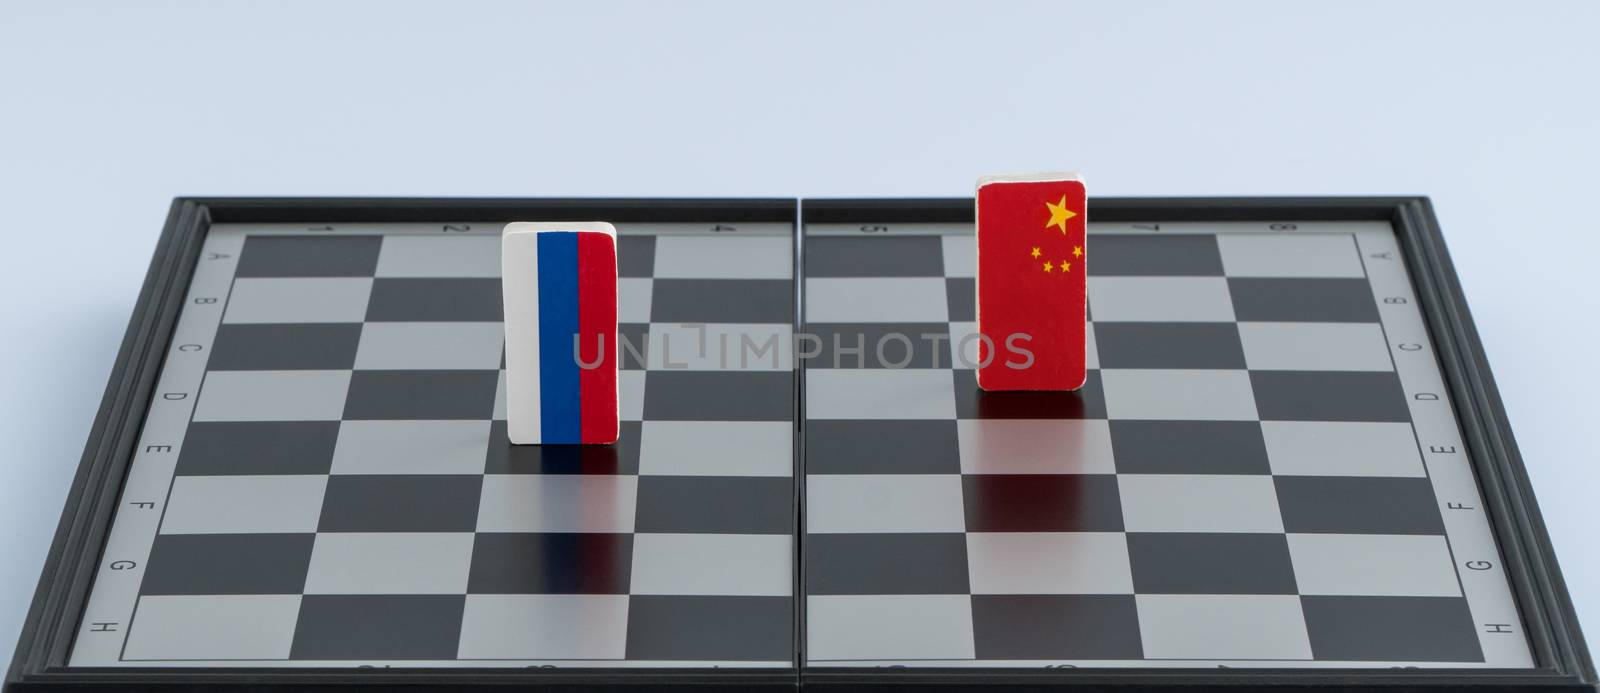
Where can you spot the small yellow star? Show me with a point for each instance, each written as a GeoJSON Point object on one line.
{"type": "Point", "coordinates": [1077, 251]}
{"type": "Point", "coordinates": [1048, 266]}
{"type": "Point", "coordinates": [1036, 251]}
{"type": "Point", "coordinates": [1059, 214]}
{"type": "Point", "coordinates": [1066, 266]}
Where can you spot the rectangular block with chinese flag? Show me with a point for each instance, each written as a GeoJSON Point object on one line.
{"type": "Point", "coordinates": [560, 284]}
{"type": "Point", "coordinates": [1032, 288]}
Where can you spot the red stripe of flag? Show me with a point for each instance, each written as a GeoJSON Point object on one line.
{"type": "Point", "coordinates": [597, 321]}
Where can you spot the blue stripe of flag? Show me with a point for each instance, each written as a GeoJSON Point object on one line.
{"type": "Point", "coordinates": [558, 322]}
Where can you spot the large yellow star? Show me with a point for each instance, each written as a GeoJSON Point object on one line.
{"type": "Point", "coordinates": [1059, 214]}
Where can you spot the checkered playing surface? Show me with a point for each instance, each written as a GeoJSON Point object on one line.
{"type": "Point", "coordinates": [1263, 469]}
{"type": "Point", "coordinates": [345, 491]}
{"type": "Point", "coordinates": [1238, 481]}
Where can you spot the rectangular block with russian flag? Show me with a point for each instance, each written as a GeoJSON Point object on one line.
{"type": "Point", "coordinates": [560, 284]}
{"type": "Point", "coordinates": [1032, 288]}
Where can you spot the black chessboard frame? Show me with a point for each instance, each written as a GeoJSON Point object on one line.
{"type": "Point", "coordinates": [1561, 658]}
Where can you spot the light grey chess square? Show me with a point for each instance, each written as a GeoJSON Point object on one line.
{"type": "Point", "coordinates": [1289, 255]}
{"type": "Point", "coordinates": [898, 626]}
{"type": "Point", "coordinates": [853, 503]}
{"type": "Point", "coordinates": [1231, 626]}
{"type": "Point", "coordinates": [557, 503]}
{"type": "Point", "coordinates": [721, 347]}
{"type": "Point", "coordinates": [399, 346]}
{"type": "Point", "coordinates": [1379, 565]}
{"type": "Point", "coordinates": [1337, 448]}
{"type": "Point", "coordinates": [411, 447]}
{"type": "Point", "coordinates": [877, 299]}
{"type": "Point", "coordinates": [442, 255]}
{"type": "Point", "coordinates": [963, 345]}
{"type": "Point", "coordinates": [1314, 346]}
{"type": "Point", "coordinates": [1092, 349]}
{"type": "Point", "coordinates": [272, 396]}
{"type": "Point", "coordinates": [1049, 563]}
{"type": "Point", "coordinates": [286, 503]}
{"type": "Point", "coordinates": [220, 627]}
{"type": "Point", "coordinates": [500, 397]}
{"type": "Point", "coordinates": [713, 564]}
{"type": "Point", "coordinates": [630, 395]}
{"type": "Point", "coordinates": [724, 257]}
{"type": "Point", "coordinates": [960, 255]}
{"type": "Point", "coordinates": [390, 563]}
{"type": "Point", "coordinates": [1199, 503]}
{"type": "Point", "coordinates": [1160, 299]}
{"type": "Point", "coordinates": [633, 299]}
{"type": "Point", "coordinates": [717, 448]}
{"type": "Point", "coordinates": [1025, 446]}
{"type": "Point", "coordinates": [544, 626]}
{"type": "Point", "coordinates": [871, 393]}
{"type": "Point", "coordinates": [298, 299]}
{"type": "Point", "coordinates": [1176, 394]}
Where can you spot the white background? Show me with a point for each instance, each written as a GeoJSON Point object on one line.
{"type": "Point", "coordinates": [107, 111]}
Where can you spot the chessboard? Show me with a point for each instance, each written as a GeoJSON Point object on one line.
{"type": "Point", "coordinates": [1288, 464]}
